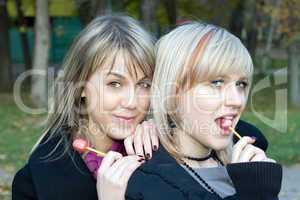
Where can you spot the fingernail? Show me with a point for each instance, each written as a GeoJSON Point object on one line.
{"type": "Point", "coordinates": [155, 148]}
{"type": "Point", "coordinates": [147, 156]}
{"type": "Point", "coordinates": [141, 156]}
{"type": "Point", "coordinates": [141, 160]}
{"type": "Point", "coordinates": [253, 138]}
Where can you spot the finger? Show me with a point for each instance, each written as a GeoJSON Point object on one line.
{"type": "Point", "coordinates": [137, 141]}
{"type": "Point", "coordinates": [147, 140]}
{"type": "Point", "coordinates": [119, 167]}
{"type": "Point", "coordinates": [239, 146]}
{"type": "Point", "coordinates": [249, 152]}
{"type": "Point", "coordinates": [128, 143]}
{"type": "Point", "coordinates": [153, 135]}
{"type": "Point", "coordinates": [258, 157]}
{"type": "Point", "coordinates": [107, 162]}
{"type": "Point", "coordinates": [129, 171]}
{"type": "Point", "coordinates": [269, 160]}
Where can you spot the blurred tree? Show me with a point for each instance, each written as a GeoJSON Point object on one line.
{"type": "Point", "coordinates": [23, 33]}
{"type": "Point", "coordinates": [236, 19]}
{"type": "Point", "coordinates": [171, 10]}
{"type": "Point", "coordinates": [5, 62]}
{"type": "Point", "coordinates": [250, 26]}
{"type": "Point", "coordinates": [41, 53]}
{"type": "Point", "coordinates": [284, 22]}
{"type": "Point", "coordinates": [89, 9]}
{"type": "Point", "coordinates": [148, 15]}
{"type": "Point", "coordinates": [273, 7]}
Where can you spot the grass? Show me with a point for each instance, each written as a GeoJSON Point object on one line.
{"type": "Point", "coordinates": [19, 131]}
{"type": "Point", "coordinates": [283, 147]}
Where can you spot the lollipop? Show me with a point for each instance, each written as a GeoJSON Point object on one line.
{"type": "Point", "coordinates": [82, 146]}
{"type": "Point", "coordinates": [235, 133]}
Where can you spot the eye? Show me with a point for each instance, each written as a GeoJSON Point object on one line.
{"type": "Point", "coordinates": [114, 84]}
{"type": "Point", "coordinates": [145, 85]}
{"type": "Point", "coordinates": [217, 82]}
{"type": "Point", "coordinates": [242, 84]}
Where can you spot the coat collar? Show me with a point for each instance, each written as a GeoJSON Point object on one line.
{"type": "Point", "coordinates": [166, 167]}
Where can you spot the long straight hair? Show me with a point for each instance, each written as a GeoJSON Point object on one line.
{"type": "Point", "coordinates": [102, 40]}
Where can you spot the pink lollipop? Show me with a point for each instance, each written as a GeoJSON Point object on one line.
{"type": "Point", "coordinates": [82, 146]}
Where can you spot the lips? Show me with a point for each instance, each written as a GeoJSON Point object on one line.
{"type": "Point", "coordinates": [225, 121]}
{"type": "Point", "coordinates": [125, 119]}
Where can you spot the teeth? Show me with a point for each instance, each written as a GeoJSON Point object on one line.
{"type": "Point", "coordinates": [228, 117]}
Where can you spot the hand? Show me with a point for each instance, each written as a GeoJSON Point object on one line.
{"type": "Point", "coordinates": [114, 173]}
{"type": "Point", "coordinates": [244, 151]}
{"type": "Point", "coordinates": [143, 141]}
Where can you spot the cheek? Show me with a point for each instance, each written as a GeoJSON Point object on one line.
{"type": "Point", "coordinates": [109, 100]}
{"type": "Point", "coordinates": [143, 101]}
{"type": "Point", "coordinates": [206, 100]}
{"type": "Point", "coordinates": [102, 99]}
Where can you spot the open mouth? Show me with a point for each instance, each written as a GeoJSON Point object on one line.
{"type": "Point", "coordinates": [225, 122]}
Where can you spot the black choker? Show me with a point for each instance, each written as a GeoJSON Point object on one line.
{"type": "Point", "coordinates": [201, 159]}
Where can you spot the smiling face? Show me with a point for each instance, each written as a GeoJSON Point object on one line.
{"type": "Point", "coordinates": [117, 98]}
{"type": "Point", "coordinates": [211, 107]}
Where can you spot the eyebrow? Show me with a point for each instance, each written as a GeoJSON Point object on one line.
{"type": "Point", "coordinates": [123, 77]}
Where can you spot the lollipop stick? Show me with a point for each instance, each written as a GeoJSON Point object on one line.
{"type": "Point", "coordinates": [235, 133]}
{"type": "Point", "coordinates": [97, 152]}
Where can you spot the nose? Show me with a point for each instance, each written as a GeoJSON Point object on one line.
{"type": "Point", "coordinates": [233, 96]}
{"type": "Point", "coordinates": [129, 100]}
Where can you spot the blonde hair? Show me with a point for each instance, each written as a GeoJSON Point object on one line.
{"type": "Point", "coordinates": [103, 38]}
{"type": "Point", "coordinates": [186, 56]}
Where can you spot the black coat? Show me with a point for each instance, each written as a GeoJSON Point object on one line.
{"type": "Point", "coordinates": [163, 178]}
{"type": "Point", "coordinates": [68, 177]}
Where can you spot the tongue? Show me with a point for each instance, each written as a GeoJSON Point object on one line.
{"type": "Point", "coordinates": [225, 123]}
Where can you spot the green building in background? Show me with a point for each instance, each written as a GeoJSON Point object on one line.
{"type": "Point", "coordinates": [65, 25]}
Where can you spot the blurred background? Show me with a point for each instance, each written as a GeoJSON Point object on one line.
{"type": "Point", "coordinates": [36, 34]}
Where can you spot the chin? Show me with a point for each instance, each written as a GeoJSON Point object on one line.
{"type": "Point", "coordinates": [220, 145]}
{"type": "Point", "coordinates": [120, 133]}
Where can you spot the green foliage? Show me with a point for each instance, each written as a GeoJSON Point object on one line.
{"type": "Point", "coordinates": [19, 131]}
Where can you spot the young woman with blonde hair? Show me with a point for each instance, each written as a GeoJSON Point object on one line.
{"type": "Point", "coordinates": [102, 97]}
{"type": "Point", "coordinates": [199, 91]}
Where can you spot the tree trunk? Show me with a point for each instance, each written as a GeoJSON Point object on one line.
{"type": "Point", "coordinates": [170, 6]}
{"type": "Point", "coordinates": [236, 23]}
{"type": "Point", "coordinates": [148, 15]}
{"type": "Point", "coordinates": [273, 25]}
{"type": "Point", "coordinates": [294, 75]}
{"type": "Point", "coordinates": [250, 17]}
{"type": "Point", "coordinates": [89, 9]}
{"type": "Point", "coordinates": [5, 62]}
{"type": "Point", "coordinates": [41, 54]}
{"type": "Point", "coordinates": [23, 33]}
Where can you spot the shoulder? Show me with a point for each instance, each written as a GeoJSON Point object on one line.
{"type": "Point", "coordinates": [148, 185]}
{"type": "Point", "coordinates": [22, 186]}
{"type": "Point", "coordinates": [157, 179]}
{"type": "Point", "coordinates": [55, 173]}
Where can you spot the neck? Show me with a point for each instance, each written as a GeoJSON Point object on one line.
{"type": "Point", "coordinates": [192, 148]}
{"type": "Point", "coordinates": [101, 140]}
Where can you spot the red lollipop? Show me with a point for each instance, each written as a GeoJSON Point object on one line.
{"type": "Point", "coordinates": [82, 146]}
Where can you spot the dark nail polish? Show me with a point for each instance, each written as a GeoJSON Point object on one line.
{"type": "Point", "coordinates": [141, 160]}
{"type": "Point", "coordinates": [147, 156]}
{"type": "Point", "coordinates": [155, 148]}
{"type": "Point", "coordinates": [141, 156]}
